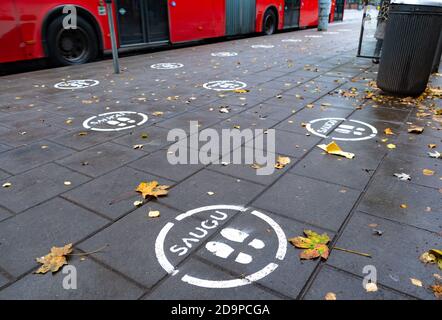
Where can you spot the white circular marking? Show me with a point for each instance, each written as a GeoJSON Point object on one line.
{"type": "Point", "coordinates": [313, 36]}
{"type": "Point", "coordinates": [291, 40]}
{"type": "Point", "coordinates": [224, 85]}
{"type": "Point", "coordinates": [76, 84]}
{"type": "Point", "coordinates": [223, 250]}
{"type": "Point", "coordinates": [263, 46]}
{"type": "Point", "coordinates": [347, 130]}
{"type": "Point", "coordinates": [115, 121]}
{"type": "Point", "coordinates": [167, 66]}
{"type": "Point", "coordinates": [330, 32]}
{"type": "Point", "coordinates": [224, 54]}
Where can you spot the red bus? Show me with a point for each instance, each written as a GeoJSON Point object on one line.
{"type": "Point", "coordinates": [31, 29]}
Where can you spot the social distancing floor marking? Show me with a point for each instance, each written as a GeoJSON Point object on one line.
{"type": "Point", "coordinates": [115, 121]}
{"type": "Point", "coordinates": [224, 248]}
{"type": "Point", "coordinates": [263, 46]}
{"type": "Point", "coordinates": [342, 129]}
{"type": "Point", "coordinates": [224, 54]}
{"type": "Point", "coordinates": [76, 84]}
{"type": "Point", "coordinates": [167, 66]}
{"type": "Point", "coordinates": [225, 85]}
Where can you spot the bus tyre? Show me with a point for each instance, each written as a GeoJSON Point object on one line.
{"type": "Point", "coordinates": [71, 46]}
{"type": "Point", "coordinates": [269, 22]}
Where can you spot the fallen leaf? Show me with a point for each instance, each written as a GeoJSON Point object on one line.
{"type": "Point", "coordinates": [138, 203]}
{"type": "Point", "coordinates": [256, 166]}
{"type": "Point", "coordinates": [416, 282]}
{"type": "Point", "coordinates": [416, 129]}
{"type": "Point", "coordinates": [210, 193]}
{"type": "Point", "coordinates": [437, 290]}
{"type": "Point", "coordinates": [138, 146]}
{"type": "Point", "coordinates": [432, 145]}
{"type": "Point", "coordinates": [154, 214]}
{"type": "Point", "coordinates": [333, 148]}
{"type": "Point", "coordinates": [330, 296]}
{"type": "Point", "coordinates": [315, 245]}
{"type": "Point", "coordinates": [391, 146]}
{"type": "Point", "coordinates": [428, 172]}
{"type": "Point", "coordinates": [67, 183]}
{"type": "Point", "coordinates": [402, 176]}
{"type": "Point", "coordinates": [152, 189]}
{"type": "Point", "coordinates": [224, 110]}
{"type": "Point", "coordinates": [157, 113]}
{"type": "Point", "coordinates": [388, 131]}
{"type": "Point", "coordinates": [241, 91]}
{"type": "Point", "coordinates": [144, 135]}
{"type": "Point", "coordinates": [281, 162]}
{"type": "Point", "coordinates": [403, 206]}
{"type": "Point", "coordinates": [7, 185]}
{"type": "Point", "coordinates": [54, 260]}
{"type": "Point", "coordinates": [371, 287]}
{"type": "Point", "coordinates": [83, 133]}
{"type": "Point", "coordinates": [435, 155]}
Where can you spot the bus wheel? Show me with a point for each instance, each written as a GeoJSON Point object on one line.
{"type": "Point", "coordinates": [269, 23]}
{"type": "Point", "coordinates": [72, 46]}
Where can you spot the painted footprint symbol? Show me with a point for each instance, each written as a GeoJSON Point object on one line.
{"type": "Point", "coordinates": [223, 250]}
{"type": "Point", "coordinates": [121, 122]}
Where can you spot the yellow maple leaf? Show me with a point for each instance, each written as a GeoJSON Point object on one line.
{"type": "Point", "coordinates": [241, 91]}
{"type": "Point", "coordinates": [55, 259]}
{"type": "Point", "coordinates": [428, 172]}
{"type": "Point", "coordinates": [152, 189]}
{"type": "Point", "coordinates": [315, 245]}
{"type": "Point", "coordinates": [281, 162]}
{"type": "Point", "coordinates": [388, 131]}
{"type": "Point", "coordinates": [333, 148]}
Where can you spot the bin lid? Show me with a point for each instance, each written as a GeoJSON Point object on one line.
{"type": "Point", "coordinates": [434, 3]}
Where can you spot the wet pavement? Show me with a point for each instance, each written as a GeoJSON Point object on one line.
{"type": "Point", "coordinates": [73, 176]}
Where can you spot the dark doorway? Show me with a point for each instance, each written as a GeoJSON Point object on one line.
{"type": "Point", "coordinates": [339, 10]}
{"type": "Point", "coordinates": [142, 21]}
{"type": "Point", "coordinates": [291, 13]}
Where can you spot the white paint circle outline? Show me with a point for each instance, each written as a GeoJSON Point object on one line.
{"type": "Point", "coordinates": [263, 46]}
{"type": "Point", "coordinates": [291, 40]}
{"type": "Point", "coordinates": [224, 54]}
{"type": "Point", "coordinates": [161, 65]}
{"type": "Point", "coordinates": [143, 121]}
{"type": "Point", "coordinates": [371, 136]}
{"type": "Point", "coordinates": [243, 85]}
{"type": "Point", "coordinates": [95, 83]}
{"type": "Point", "coordinates": [221, 284]}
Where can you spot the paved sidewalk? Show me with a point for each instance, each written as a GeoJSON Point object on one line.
{"type": "Point", "coordinates": [71, 184]}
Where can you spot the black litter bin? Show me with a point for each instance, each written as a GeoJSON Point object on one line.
{"type": "Point", "coordinates": [410, 45]}
{"type": "Point", "coordinates": [438, 56]}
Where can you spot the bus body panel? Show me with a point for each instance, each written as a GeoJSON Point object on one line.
{"type": "Point", "coordinates": [10, 33]}
{"type": "Point", "coordinates": [23, 22]}
{"type": "Point", "coordinates": [309, 13]}
{"type": "Point", "coordinates": [204, 19]}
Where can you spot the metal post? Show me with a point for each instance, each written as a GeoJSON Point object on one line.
{"type": "Point", "coordinates": [324, 13]}
{"type": "Point", "coordinates": [110, 16]}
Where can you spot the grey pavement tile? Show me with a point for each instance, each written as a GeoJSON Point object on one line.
{"type": "Point", "coordinates": [354, 173]}
{"type": "Point", "coordinates": [32, 233]}
{"type": "Point", "coordinates": [152, 138]}
{"type": "Point", "coordinates": [256, 229]}
{"type": "Point", "coordinates": [346, 287]}
{"type": "Point", "coordinates": [393, 270]}
{"type": "Point", "coordinates": [28, 135]}
{"type": "Point", "coordinates": [322, 204]}
{"type": "Point", "coordinates": [226, 190]}
{"type": "Point", "coordinates": [38, 185]}
{"type": "Point", "coordinates": [386, 194]}
{"type": "Point", "coordinates": [204, 118]}
{"type": "Point", "coordinates": [185, 291]}
{"type": "Point", "coordinates": [94, 282]}
{"type": "Point", "coordinates": [4, 214]}
{"type": "Point", "coordinates": [383, 114]}
{"type": "Point", "coordinates": [3, 280]}
{"type": "Point", "coordinates": [158, 164]}
{"type": "Point", "coordinates": [4, 148]}
{"type": "Point", "coordinates": [113, 194]}
{"type": "Point", "coordinates": [83, 139]}
{"type": "Point", "coordinates": [268, 110]}
{"type": "Point", "coordinates": [27, 157]}
{"type": "Point", "coordinates": [101, 159]}
{"type": "Point", "coordinates": [3, 175]}
{"type": "Point", "coordinates": [416, 144]}
{"type": "Point", "coordinates": [414, 166]}
{"type": "Point", "coordinates": [132, 241]}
